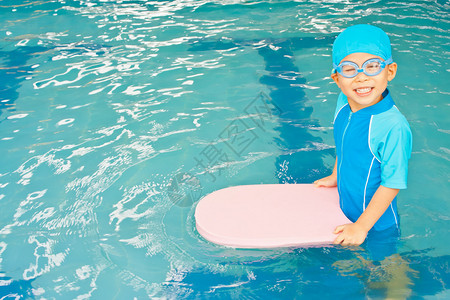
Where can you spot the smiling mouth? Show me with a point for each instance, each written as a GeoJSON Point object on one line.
{"type": "Point", "coordinates": [363, 91]}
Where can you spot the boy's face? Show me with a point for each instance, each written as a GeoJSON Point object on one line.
{"type": "Point", "coordinates": [363, 90]}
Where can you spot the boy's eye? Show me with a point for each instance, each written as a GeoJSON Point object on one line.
{"type": "Point", "coordinates": [373, 67]}
{"type": "Point", "coordinates": [348, 69]}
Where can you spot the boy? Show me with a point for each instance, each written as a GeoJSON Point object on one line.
{"type": "Point", "coordinates": [373, 139]}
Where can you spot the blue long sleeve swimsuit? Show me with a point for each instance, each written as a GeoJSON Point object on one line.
{"type": "Point", "coordinates": [373, 146]}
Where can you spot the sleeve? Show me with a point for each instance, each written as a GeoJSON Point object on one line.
{"type": "Point", "coordinates": [394, 153]}
{"type": "Point", "coordinates": [341, 102]}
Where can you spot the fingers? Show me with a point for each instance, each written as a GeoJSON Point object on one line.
{"type": "Point", "coordinates": [344, 240]}
{"type": "Point", "coordinates": [320, 183]}
{"type": "Point", "coordinates": [325, 182]}
{"type": "Point", "coordinates": [346, 237]}
{"type": "Point", "coordinates": [339, 229]}
{"type": "Point", "coordinates": [338, 240]}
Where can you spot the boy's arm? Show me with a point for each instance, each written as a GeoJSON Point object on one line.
{"type": "Point", "coordinates": [355, 233]}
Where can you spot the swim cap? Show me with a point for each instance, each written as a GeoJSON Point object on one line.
{"type": "Point", "coordinates": [361, 38]}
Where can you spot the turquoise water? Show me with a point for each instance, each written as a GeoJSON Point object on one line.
{"type": "Point", "coordinates": [117, 116]}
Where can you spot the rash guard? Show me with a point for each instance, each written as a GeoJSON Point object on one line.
{"type": "Point", "coordinates": [373, 146]}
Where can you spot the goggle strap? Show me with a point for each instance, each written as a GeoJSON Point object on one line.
{"type": "Point", "coordinates": [389, 61]}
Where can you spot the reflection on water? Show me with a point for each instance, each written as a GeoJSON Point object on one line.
{"type": "Point", "coordinates": [112, 129]}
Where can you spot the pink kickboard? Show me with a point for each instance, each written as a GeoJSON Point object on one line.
{"type": "Point", "coordinates": [270, 216]}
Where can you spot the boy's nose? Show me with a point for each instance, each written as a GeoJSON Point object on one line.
{"type": "Point", "coordinates": [361, 77]}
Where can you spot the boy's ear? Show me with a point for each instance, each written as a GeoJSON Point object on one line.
{"type": "Point", "coordinates": [392, 71]}
{"type": "Point", "coordinates": [335, 78]}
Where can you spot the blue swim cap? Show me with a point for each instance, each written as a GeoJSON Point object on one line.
{"type": "Point", "coordinates": [361, 38]}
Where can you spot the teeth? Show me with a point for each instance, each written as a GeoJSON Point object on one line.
{"type": "Point", "coordinates": [363, 90]}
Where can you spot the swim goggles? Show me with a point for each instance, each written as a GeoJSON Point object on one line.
{"type": "Point", "coordinates": [371, 67]}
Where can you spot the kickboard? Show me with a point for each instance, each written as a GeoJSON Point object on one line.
{"type": "Point", "coordinates": [270, 216]}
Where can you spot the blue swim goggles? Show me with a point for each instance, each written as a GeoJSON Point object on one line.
{"type": "Point", "coordinates": [371, 67]}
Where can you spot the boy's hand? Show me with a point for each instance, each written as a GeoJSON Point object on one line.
{"type": "Point", "coordinates": [352, 234]}
{"type": "Point", "coordinates": [329, 181]}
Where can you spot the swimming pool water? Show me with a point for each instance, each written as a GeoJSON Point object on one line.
{"type": "Point", "coordinates": [116, 117]}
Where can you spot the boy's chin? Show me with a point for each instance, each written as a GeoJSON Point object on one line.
{"type": "Point", "coordinates": [357, 103]}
